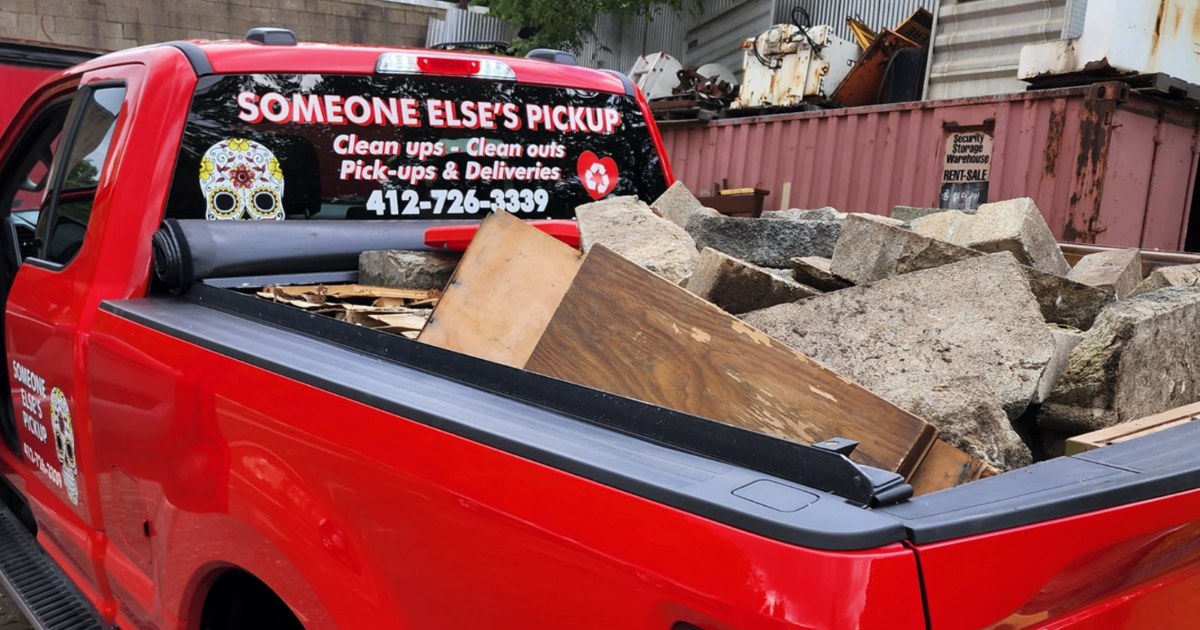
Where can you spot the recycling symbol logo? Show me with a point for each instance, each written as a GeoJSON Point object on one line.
{"type": "Point", "coordinates": [598, 175]}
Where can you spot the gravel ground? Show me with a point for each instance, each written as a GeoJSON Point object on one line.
{"type": "Point", "coordinates": [10, 616]}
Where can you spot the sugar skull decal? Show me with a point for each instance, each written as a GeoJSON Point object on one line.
{"type": "Point", "coordinates": [241, 180]}
{"type": "Point", "coordinates": [64, 441]}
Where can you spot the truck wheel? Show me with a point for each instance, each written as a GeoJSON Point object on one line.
{"type": "Point", "coordinates": [239, 601]}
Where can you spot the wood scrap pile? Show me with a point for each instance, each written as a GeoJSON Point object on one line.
{"type": "Point", "coordinates": [399, 311]}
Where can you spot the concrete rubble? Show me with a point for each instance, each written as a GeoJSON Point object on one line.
{"type": "Point", "coordinates": [1173, 276]}
{"type": "Point", "coordinates": [398, 269]}
{"type": "Point", "coordinates": [1118, 271]}
{"type": "Point", "coordinates": [628, 227]}
{"type": "Point", "coordinates": [911, 337]}
{"type": "Point", "coordinates": [678, 204]}
{"type": "Point", "coordinates": [815, 272]}
{"type": "Point", "coordinates": [738, 287]}
{"type": "Point", "coordinates": [870, 250]}
{"type": "Point", "coordinates": [1015, 226]}
{"type": "Point", "coordinates": [767, 243]}
{"type": "Point", "coordinates": [1139, 358]}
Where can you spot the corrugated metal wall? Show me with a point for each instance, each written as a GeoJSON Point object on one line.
{"type": "Point", "coordinates": [717, 35]}
{"type": "Point", "coordinates": [978, 44]}
{"type": "Point", "coordinates": [467, 26]}
{"type": "Point", "coordinates": [627, 38]}
{"type": "Point", "coordinates": [874, 13]}
{"type": "Point", "coordinates": [1128, 184]}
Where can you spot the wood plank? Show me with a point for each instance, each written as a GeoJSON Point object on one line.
{"type": "Point", "coordinates": [625, 330]}
{"type": "Point", "coordinates": [345, 291]}
{"type": "Point", "coordinates": [1133, 429]}
{"type": "Point", "coordinates": [946, 467]}
{"type": "Point", "coordinates": [504, 292]}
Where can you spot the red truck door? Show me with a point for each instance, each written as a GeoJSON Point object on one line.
{"type": "Point", "coordinates": [51, 303]}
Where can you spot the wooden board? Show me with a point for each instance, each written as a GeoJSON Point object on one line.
{"type": "Point", "coordinates": [625, 330]}
{"type": "Point", "coordinates": [505, 290]}
{"type": "Point", "coordinates": [1134, 428]}
{"type": "Point", "coordinates": [946, 467]}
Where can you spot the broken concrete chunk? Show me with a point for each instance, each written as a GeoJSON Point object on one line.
{"type": "Point", "coordinates": [767, 243]}
{"type": "Point", "coordinates": [1139, 358]}
{"type": "Point", "coordinates": [869, 250]}
{"type": "Point", "coordinates": [1064, 344]}
{"type": "Point", "coordinates": [905, 337]}
{"type": "Point", "coordinates": [406, 269]}
{"type": "Point", "coordinates": [1173, 276]}
{"type": "Point", "coordinates": [814, 271]}
{"type": "Point", "coordinates": [907, 214]}
{"type": "Point", "coordinates": [1064, 301]}
{"type": "Point", "coordinates": [1014, 226]}
{"type": "Point", "coordinates": [738, 287]}
{"type": "Point", "coordinates": [881, 219]}
{"type": "Point", "coordinates": [678, 204]}
{"type": "Point", "coordinates": [968, 417]}
{"type": "Point", "coordinates": [827, 213]}
{"type": "Point", "coordinates": [628, 227]}
{"type": "Point", "coordinates": [1118, 270]}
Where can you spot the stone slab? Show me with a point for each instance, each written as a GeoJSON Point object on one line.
{"type": "Point", "coordinates": [678, 204]}
{"type": "Point", "coordinates": [907, 214]}
{"type": "Point", "coordinates": [1064, 344]}
{"type": "Point", "coordinates": [1014, 226]}
{"type": "Point", "coordinates": [628, 227]}
{"type": "Point", "coordinates": [828, 213]}
{"type": "Point", "coordinates": [1118, 270]}
{"type": "Point", "coordinates": [914, 338]}
{"type": "Point", "coordinates": [738, 287]}
{"type": "Point", "coordinates": [1173, 276]}
{"type": "Point", "coordinates": [869, 250]}
{"type": "Point", "coordinates": [400, 269]}
{"type": "Point", "coordinates": [1139, 358]}
{"type": "Point", "coordinates": [765, 242]}
{"type": "Point", "coordinates": [1064, 301]}
{"type": "Point", "coordinates": [814, 271]}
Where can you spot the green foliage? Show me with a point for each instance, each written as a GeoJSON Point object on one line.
{"type": "Point", "coordinates": [565, 24]}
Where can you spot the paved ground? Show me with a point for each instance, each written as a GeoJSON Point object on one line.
{"type": "Point", "coordinates": [11, 617]}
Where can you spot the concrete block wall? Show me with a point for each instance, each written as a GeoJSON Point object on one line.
{"type": "Point", "coordinates": [115, 24]}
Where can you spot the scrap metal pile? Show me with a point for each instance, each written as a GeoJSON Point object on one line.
{"type": "Point", "coordinates": [793, 67]}
{"type": "Point", "coordinates": [949, 345]}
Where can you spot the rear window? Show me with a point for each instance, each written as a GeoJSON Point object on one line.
{"type": "Point", "coordinates": [276, 147]}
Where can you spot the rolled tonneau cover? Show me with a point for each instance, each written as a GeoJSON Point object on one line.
{"type": "Point", "coordinates": [194, 249]}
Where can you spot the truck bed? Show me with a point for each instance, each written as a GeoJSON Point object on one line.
{"type": "Point", "coordinates": [785, 491]}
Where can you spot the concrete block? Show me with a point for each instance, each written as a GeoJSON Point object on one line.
{"type": "Point", "coordinates": [628, 227]}
{"type": "Point", "coordinates": [738, 287]}
{"type": "Point", "coordinates": [406, 269]}
{"type": "Point", "coordinates": [880, 219]}
{"type": "Point", "coordinates": [1064, 301]}
{"type": "Point", "coordinates": [765, 242]}
{"type": "Point", "coordinates": [1064, 344]}
{"type": "Point", "coordinates": [1118, 270]}
{"type": "Point", "coordinates": [869, 250]}
{"type": "Point", "coordinates": [919, 338]}
{"type": "Point", "coordinates": [1014, 226]}
{"type": "Point", "coordinates": [1139, 358]}
{"type": "Point", "coordinates": [1173, 276]}
{"type": "Point", "coordinates": [678, 204]}
{"type": "Point", "coordinates": [814, 271]}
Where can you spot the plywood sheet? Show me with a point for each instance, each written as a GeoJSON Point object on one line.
{"type": "Point", "coordinates": [946, 467]}
{"type": "Point", "coordinates": [1133, 429]}
{"type": "Point", "coordinates": [504, 292]}
{"type": "Point", "coordinates": [624, 330]}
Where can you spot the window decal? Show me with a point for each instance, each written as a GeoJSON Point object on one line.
{"type": "Point", "coordinates": [241, 181]}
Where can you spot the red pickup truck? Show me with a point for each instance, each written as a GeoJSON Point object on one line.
{"type": "Point", "coordinates": [179, 453]}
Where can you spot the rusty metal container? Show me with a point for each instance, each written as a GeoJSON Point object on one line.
{"type": "Point", "coordinates": [1105, 165]}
